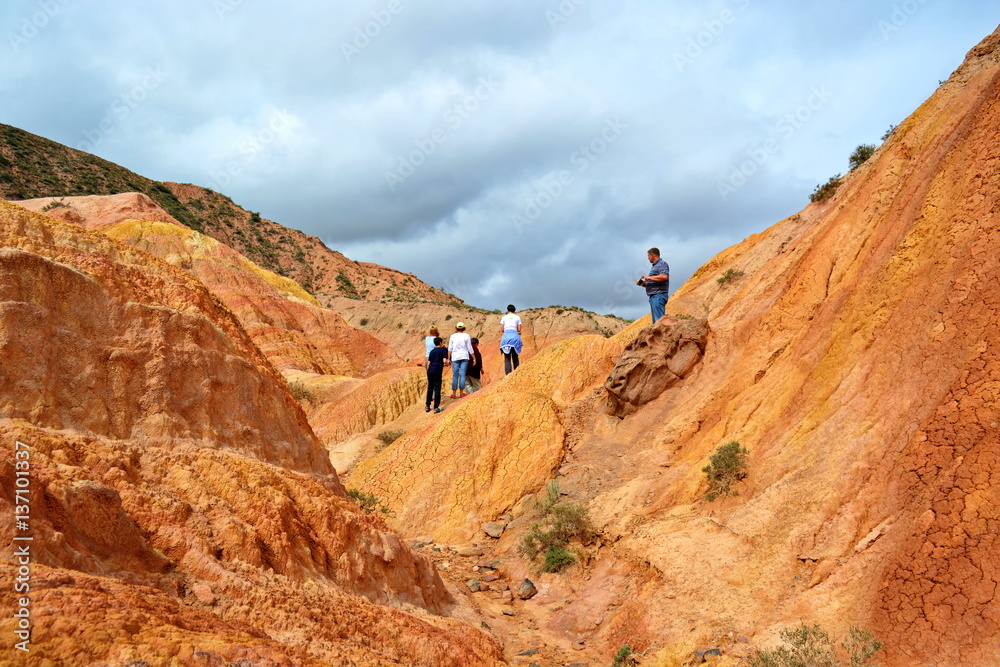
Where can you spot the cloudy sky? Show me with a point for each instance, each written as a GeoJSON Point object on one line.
{"type": "Point", "coordinates": [524, 151]}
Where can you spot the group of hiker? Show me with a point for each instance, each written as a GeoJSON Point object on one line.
{"type": "Point", "coordinates": [462, 351]}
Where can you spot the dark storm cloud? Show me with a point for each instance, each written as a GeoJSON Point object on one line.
{"type": "Point", "coordinates": [526, 151]}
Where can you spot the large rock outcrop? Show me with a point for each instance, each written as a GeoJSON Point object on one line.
{"type": "Point", "coordinates": [659, 357]}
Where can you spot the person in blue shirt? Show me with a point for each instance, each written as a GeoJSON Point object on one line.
{"type": "Point", "coordinates": [435, 368]}
{"type": "Point", "coordinates": [657, 283]}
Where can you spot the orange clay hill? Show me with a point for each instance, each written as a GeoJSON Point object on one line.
{"type": "Point", "coordinates": [181, 509]}
{"type": "Point", "coordinates": [188, 513]}
{"type": "Point", "coordinates": [851, 351]}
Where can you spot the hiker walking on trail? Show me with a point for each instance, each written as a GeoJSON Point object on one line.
{"type": "Point", "coordinates": [510, 339]}
{"type": "Point", "coordinates": [657, 283]}
{"type": "Point", "coordinates": [459, 352]}
{"type": "Point", "coordinates": [435, 369]}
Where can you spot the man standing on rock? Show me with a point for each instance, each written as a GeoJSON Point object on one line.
{"type": "Point", "coordinates": [657, 283]}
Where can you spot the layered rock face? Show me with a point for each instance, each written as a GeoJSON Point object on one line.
{"type": "Point", "coordinates": [181, 509]}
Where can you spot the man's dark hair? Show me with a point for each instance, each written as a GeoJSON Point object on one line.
{"type": "Point", "coordinates": [655, 252]}
{"type": "Point", "coordinates": [475, 341]}
{"type": "Point", "coordinates": [438, 341]}
{"type": "Point", "coordinates": [510, 308]}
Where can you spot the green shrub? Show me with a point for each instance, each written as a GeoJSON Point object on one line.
{"type": "Point", "coordinates": [363, 321]}
{"type": "Point", "coordinates": [683, 316]}
{"type": "Point", "coordinates": [625, 657]}
{"type": "Point", "coordinates": [860, 155]}
{"type": "Point", "coordinates": [826, 190]}
{"type": "Point", "coordinates": [389, 437]}
{"type": "Point", "coordinates": [727, 466]}
{"type": "Point", "coordinates": [811, 646]}
{"type": "Point", "coordinates": [301, 392]}
{"type": "Point", "coordinates": [556, 558]}
{"type": "Point", "coordinates": [368, 502]}
{"type": "Point", "coordinates": [55, 203]}
{"type": "Point", "coordinates": [729, 276]}
{"type": "Point", "coordinates": [561, 522]}
{"type": "Point", "coordinates": [888, 133]}
{"type": "Point", "coordinates": [346, 287]}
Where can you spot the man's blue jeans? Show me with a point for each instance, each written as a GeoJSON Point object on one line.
{"type": "Point", "coordinates": [458, 374]}
{"type": "Point", "coordinates": [657, 304]}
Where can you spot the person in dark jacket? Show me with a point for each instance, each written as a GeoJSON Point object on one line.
{"type": "Point", "coordinates": [435, 368]}
{"type": "Point", "coordinates": [474, 373]}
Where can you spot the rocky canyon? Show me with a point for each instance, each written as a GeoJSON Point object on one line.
{"type": "Point", "coordinates": [186, 433]}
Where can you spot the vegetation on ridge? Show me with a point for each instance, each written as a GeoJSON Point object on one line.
{"type": "Point", "coordinates": [860, 155]}
{"type": "Point", "coordinates": [33, 167]}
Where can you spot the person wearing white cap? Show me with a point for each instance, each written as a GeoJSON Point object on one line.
{"type": "Point", "coordinates": [459, 352]}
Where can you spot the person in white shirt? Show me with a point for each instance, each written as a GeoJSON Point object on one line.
{"type": "Point", "coordinates": [510, 339]}
{"type": "Point", "coordinates": [459, 352]}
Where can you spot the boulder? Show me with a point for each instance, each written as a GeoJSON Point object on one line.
{"type": "Point", "coordinates": [660, 357]}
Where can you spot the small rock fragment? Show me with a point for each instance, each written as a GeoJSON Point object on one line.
{"type": "Point", "coordinates": [526, 590]}
{"type": "Point", "coordinates": [494, 530]}
{"type": "Point", "coordinates": [203, 593]}
{"type": "Point", "coordinates": [473, 551]}
{"type": "Point", "coordinates": [473, 585]}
